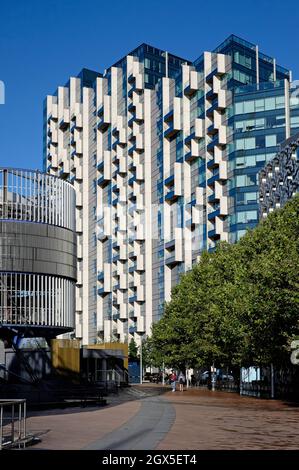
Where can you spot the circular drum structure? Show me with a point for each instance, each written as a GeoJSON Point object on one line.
{"type": "Point", "coordinates": [37, 253]}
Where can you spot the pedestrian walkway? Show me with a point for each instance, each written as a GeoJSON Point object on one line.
{"type": "Point", "coordinates": [75, 428]}
{"type": "Point", "coordinates": [226, 421]}
{"type": "Point", "coordinates": [145, 430]}
{"type": "Point", "coordinates": [143, 418]}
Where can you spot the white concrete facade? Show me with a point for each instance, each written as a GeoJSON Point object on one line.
{"type": "Point", "coordinates": [107, 142]}
{"type": "Point", "coordinates": [148, 154]}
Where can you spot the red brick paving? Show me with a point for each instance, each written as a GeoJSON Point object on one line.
{"type": "Point", "coordinates": [219, 420]}
{"type": "Point", "coordinates": [204, 420]}
{"type": "Point", "coordinates": [74, 429]}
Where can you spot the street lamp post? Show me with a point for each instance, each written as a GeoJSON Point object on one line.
{"type": "Point", "coordinates": [213, 377]}
{"type": "Point", "coordinates": [140, 359]}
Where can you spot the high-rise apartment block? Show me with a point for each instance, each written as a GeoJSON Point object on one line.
{"type": "Point", "coordinates": [164, 154]}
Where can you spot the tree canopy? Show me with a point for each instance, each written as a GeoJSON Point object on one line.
{"type": "Point", "coordinates": [239, 304]}
{"type": "Point", "coordinates": [133, 350]}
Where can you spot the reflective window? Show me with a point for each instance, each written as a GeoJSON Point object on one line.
{"type": "Point", "coordinates": [248, 107]}
{"type": "Point", "coordinates": [246, 198]}
{"type": "Point", "coordinates": [245, 180]}
{"type": "Point", "coordinates": [295, 121]}
{"type": "Point", "coordinates": [246, 216]}
{"type": "Point", "coordinates": [294, 101]}
{"type": "Point", "coordinates": [243, 59]}
{"type": "Point", "coordinates": [239, 108]}
{"type": "Point", "coordinates": [269, 103]}
{"type": "Point", "coordinates": [242, 77]}
{"type": "Point", "coordinates": [263, 104]}
{"type": "Point", "coordinates": [271, 140]}
{"type": "Point", "coordinates": [245, 144]}
{"type": "Point", "coordinates": [260, 105]}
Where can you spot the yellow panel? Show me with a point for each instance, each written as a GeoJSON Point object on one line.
{"type": "Point", "coordinates": [66, 355]}
{"type": "Point", "coordinates": [114, 346]}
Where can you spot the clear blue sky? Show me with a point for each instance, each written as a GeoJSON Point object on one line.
{"type": "Point", "coordinates": [42, 43]}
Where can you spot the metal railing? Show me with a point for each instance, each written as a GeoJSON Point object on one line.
{"type": "Point", "coordinates": [110, 375]}
{"type": "Point", "coordinates": [32, 196]}
{"type": "Point", "coordinates": [12, 423]}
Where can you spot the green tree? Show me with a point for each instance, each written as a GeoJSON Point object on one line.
{"type": "Point", "coordinates": [239, 304]}
{"type": "Point", "coordinates": [150, 358]}
{"type": "Point", "coordinates": [271, 255]}
{"type": "Point", "coordinates": [133, 350]}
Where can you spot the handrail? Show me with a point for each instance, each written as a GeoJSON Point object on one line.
{"type": "Point", "coordinates": [16, 435]}
{"type": "Point", "coordinates": [109, 375]}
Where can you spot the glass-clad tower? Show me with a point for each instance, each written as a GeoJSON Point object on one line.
{"type": "Point", "coordinates": [257, 118]}
{"type": "Point", "coordinates": [164, 155]}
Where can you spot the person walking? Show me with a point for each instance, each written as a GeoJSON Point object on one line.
{"type": "Point", "coordinates": [173, 379]}
{"type": "Point", "coordinates": [182, 380]}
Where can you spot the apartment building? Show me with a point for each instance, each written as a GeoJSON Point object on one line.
{"type": "Point", "coordinates": [164, 154]}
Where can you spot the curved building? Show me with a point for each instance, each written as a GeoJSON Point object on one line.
{"type": "Point", "coordinates": [37, 253]}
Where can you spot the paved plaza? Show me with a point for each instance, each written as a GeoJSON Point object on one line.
{"type": "Point", "coordinates": [149, 418]}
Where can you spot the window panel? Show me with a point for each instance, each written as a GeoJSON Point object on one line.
{"type": "Point", "coordinates": [270, 140]}
{"type": "Point", "coordinates": [279, 100]}
{"type": "Point", "coordinates": [259, 105]}
{"type": "Point", "coordinates": [241, 180]}
{"type": "Point", "coordinates": [239, 108]}
{"type": "Point", "coordinates": [240, 144]}
{"type": "Point", "coordinates": [249, 143]}
{"type": "Point", "coordinates": [251, 160]}
{"type": "Point", "coordinates": [269, 103]}
{"type": "Point", "coordinates": [248, 106]}
{"type": "Point", "coordinates": [250, 198]}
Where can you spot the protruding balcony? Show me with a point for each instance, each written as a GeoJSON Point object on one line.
{"type": "Point", "coordinates": [192, 85]}
{"type": "Point", "coordinates": [102, 291]}
{"type": "Point", "coordinates": [104, 114]}
{"type": "Point", "coordinates": [168, 116]}
{"type": "Point", "coordinates": [140, 325]}
{"type": "Point", "coordinates": [213, 198]}
{"type": "Point", "coordinates": [211, 163]}
{"type": "Point", "coordinates": [100, 166]}
{"type": "Point", "coordinates": [172, 260]}
{"type": "Point", "coordinates": [170, 245]}
{"type": "Point", "coordinates": [215, 213]}
{"type": "Point", "coordinates": [132, 268]}
{"type": "Point", "coordinates": [103, 181]}
{"type": "Point", "coordinates": [211, 95]}
{"type": "Point", "coordinates": [65, 120]}
{"type": "Point", "coordinates": [190, 156]}
{"type": "Point", "coordinates": [171, 131]}
{"type": "Point", "coordinates": [171, 196]}
{"type": "Point", "coordinates": [169, 181]}
{"type": "Point", "coordinates": [211, 130]}
{"type": "Point", "coordinates": [212, 179]}
{"type": "Point", "coordinates": [213, 235]}
{"type": "Point", "coordinates": [132, 329]}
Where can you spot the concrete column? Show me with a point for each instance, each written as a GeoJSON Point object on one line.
{"type": "Point", "coordinates": [104, 370]}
